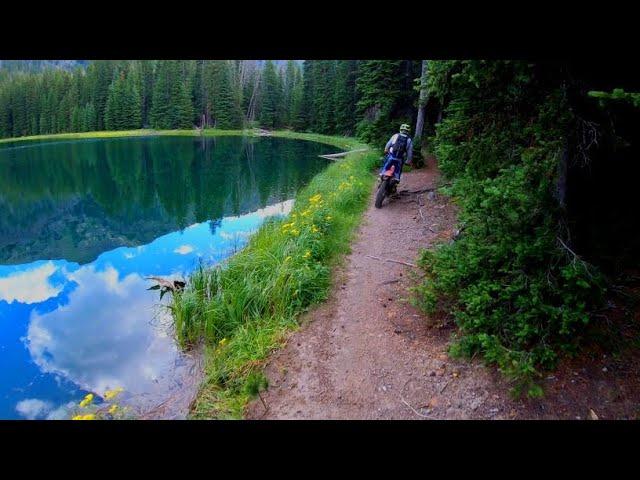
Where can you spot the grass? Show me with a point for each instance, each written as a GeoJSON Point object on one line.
{"type": "Point", "coordinates": [244, 308]}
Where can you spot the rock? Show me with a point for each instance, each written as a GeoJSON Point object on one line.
{"type": "Point", "coordinates": [475, 403]}
{"type": "Point", "coordinates": [604, 369]}
{"type": "Point", "coordinates": [592, 415]}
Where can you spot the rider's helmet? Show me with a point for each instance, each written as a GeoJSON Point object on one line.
{"type": "Point", "coordinates": [404, 128]}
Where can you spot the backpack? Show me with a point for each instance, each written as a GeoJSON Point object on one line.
{"type": "Point", "coordinates": [399, 148]}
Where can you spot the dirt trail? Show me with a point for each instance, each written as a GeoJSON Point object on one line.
{"type": "Point", "coordinates": [368, 354]}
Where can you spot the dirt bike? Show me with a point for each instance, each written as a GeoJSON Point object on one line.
{"type": "Point", "coordinates": [388, 183]}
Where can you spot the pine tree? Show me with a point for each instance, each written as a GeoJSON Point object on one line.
{"type": "Point", "coordinates": [171, 106]}
{"type": "Point", "coordinates": [383, 96]}
{"type": "Point", "coordinates": [345, 97]}
{"type": "Point", "coordinates": [160, 105]}
{"type": "Point", "coordinates": [306, 117]}
{"type": "Point", "coordinates": [324, 95]}
{"type": "Point", "coordinates": [297, 94]}
{"type": "Point", "coordinates": [288, 89]}
{"type": "Point", "coordinates": [101, 74]}
{"type": "Point", "coordinates": [225, 107]}
{"type": "Point", "coordinates": [271, 105]}
{"type": "Point", "coordinates": [75, 119]}
{"type": "Point", "coordinates": [90, 117]}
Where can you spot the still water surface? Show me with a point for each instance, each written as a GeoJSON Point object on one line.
{"type": "Point", "coordinates": [82, 223]}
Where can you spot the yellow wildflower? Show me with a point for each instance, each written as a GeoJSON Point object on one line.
{"type": "Point", "coordinates": [314, 229]}
{"type": "Point", "coordinates": [307, 254]}
{"type": "Point", "coordinates": [288, 258]}
{"type": "Point", "coordinates": [109, 394]}
{"type": "Point", "coordinates": [88, 416]}
{"type": "Point", "coordinates": [87, 400]}
{"type": "Point", "coordinates": [113, 408]}
{"type": "Point", "coordinates": [329, 217]}
{"type": "Point", "coordinates": [295, 232]}
{"type": "Point", "coordinates": [223, 342]}
{"type": "Point", "coordinates": [286, 226]}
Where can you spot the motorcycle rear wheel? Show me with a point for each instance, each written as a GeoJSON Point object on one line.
{"type": "Point", "coordinates": [382, 192]}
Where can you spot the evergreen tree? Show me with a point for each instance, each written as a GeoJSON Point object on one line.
{"type": "Point", "coordinates": [171, 106]}
{"type": "Point", "coordinates": [89, 123]}
{"type": "Point", "coordinates": [297, 94]}
{"type": "Point", "coordinates": [324, 95]}
{"type": "Point", "coordinates": [383, 97]}
{"type": "Point", "coordinates": [226, 109]}
{"type": "Point", "coordinates": [288, 89]}
{"type": "Point", "coordinates": [306, 117]}
{"type": "Point", "coordinates": [345, 97]}
{"type": "Point", "coordinates": [123, 110]}
{"type": "Point", "coordinates": [272, 95]}
{"type": "Point", "coordinates": [160, 105]}
{"type": "Point", "coordinates": [100, 75]}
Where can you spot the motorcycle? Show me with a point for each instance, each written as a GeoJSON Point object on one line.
{"type": "Point", "coordinates": [388, 181]}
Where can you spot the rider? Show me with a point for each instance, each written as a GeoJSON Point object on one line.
{"type": "Point", "coordinates": [399, 150]}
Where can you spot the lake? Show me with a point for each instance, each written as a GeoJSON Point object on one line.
{"type": "Point", "coordinates": [84, 222]}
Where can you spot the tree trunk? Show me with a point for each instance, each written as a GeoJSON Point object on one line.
{"type": "Point", "coordinates": [422, 102]}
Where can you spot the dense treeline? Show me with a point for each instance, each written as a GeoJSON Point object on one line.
{"type": "Point", "coordinates": [541, 165]}
{"type": "Point", "coordinates": [345, 97]}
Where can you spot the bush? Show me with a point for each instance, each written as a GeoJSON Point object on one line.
{"type": "Point", "coordinates": [517, 292]}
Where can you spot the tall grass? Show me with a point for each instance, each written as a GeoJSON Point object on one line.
{"type": "Point", "coordinates": [243, 308]}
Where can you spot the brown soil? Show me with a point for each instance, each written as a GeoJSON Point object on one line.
{"type": "Point", "coordinates": [368, 354]}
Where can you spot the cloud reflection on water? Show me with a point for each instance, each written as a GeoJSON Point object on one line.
{"type": "Point", "coordinates": [30, 285]}
{"type": "Point", "coordinates": [106, 330]}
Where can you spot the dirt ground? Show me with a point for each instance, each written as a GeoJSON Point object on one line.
{"type": "Point", "coordinates": [368, 354]}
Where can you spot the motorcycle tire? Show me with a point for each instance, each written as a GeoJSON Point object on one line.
{"type": "Point", "coordinates": [381, 193]}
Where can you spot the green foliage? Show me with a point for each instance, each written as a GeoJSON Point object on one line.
{"type": "Point", "coordinates": [271, 111]}
{"type": "Point", "coordinates": [225, 105]}
{"type": "Point", "coordinates": [346, 97]}
{"type": "Point", "coordinates": [123, 109]}
{"type": "Point", "coordinates": [617, 94]}
{"type": "Point", "coordinates": [171, 104]}
{"type": "Point", "coordinates": [518, 294]}
{"type": "Point", "coordinates": [386, 97]}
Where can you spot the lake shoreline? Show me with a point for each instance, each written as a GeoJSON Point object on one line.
{"type": "Point", "coordinates": [337, 141]}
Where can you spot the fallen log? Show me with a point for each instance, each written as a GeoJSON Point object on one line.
{"type": "Point", "coordinates": [335, 156]}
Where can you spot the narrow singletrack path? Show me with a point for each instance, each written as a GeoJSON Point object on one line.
{"type": "Point", "coordinates": [368, 354]}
